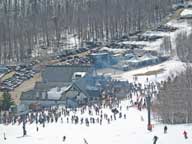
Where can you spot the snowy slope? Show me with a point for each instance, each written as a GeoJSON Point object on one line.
{"type": "Point", "coordinates": [171, 67]}
{"type": "Point", "coordinates": [122, 131]}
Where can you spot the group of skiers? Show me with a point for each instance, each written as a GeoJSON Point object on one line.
{"type": "Point", "coordinates": [86, 115]}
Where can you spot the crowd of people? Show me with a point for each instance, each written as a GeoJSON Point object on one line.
{"type": "Point", "coordinates": [88, 115]}
{"type": "Point", "coordinates": [84, 115]}
{"type": "Point", "coordinates": [136, 94]}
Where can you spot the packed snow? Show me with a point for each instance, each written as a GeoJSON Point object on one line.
{"type": "Point", "coordinates": [132, 129]}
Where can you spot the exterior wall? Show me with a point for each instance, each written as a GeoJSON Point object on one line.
{"type": "Point", "coordinates": [62, 73]}
{"type": "Point", "coordinates": [43, 102]}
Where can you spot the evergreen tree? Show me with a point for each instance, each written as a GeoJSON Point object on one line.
{"type": "Point", "coordinates": [7, 101]}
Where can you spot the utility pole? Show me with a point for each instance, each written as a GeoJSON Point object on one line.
{"type": "Point", "coordinates": [0, 117]}
{"type": "Point", "coordinates": [148, 100]}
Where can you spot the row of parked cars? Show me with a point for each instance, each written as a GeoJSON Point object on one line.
{"type": "Point", "coordinates": [182, 5]}
{"type": "Point", "coordinates": [165, 28]}
{"type": "Point", "coordinates": [73, 56]}
{"type": "Point", "coordinates": [22, 73]}
{"type": "Point", "coordinates": [67, 54]}
{"type": "Point", "coordinates": [79, 60]}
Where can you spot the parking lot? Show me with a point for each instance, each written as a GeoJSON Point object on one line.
{"type": "Point", "coordinates": [19, 75]}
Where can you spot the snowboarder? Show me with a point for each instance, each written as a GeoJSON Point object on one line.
{"type": "Point", "coordinates": [37, 128]}
{"type": "Point", "coordinates": [165, 129]}
{"type": "Point", "coordinates": [185, 134]}
{"type": "Point", "coordinates": [85, 141]}
{"type": "Point", "coordinates": [155, 139]}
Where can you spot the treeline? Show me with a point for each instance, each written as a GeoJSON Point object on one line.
{"type": "Point", "coordinates": [183, 47]}
{"type": "Point", "coordinates": [27, 25]}
{"type": "Point", "coordinates": [174, 101]}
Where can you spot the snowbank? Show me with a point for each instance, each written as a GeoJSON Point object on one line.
{"type": "Point", "coordinates": [186, 12]}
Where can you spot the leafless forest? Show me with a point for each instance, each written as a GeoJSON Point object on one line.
{"type": "Point", "coordinates": [175, 99]}
{"type": "Point", "coordinates": [26, 25]}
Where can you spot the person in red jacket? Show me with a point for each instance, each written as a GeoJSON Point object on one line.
{"type": "Point", "coordinates": [185, 134]}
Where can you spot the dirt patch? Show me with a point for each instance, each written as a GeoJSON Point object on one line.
{"type": "Point", "coordinates": [8, 75]}
{"type": "Point", "coordinates": [154, 72]}
{"type": "Point", "coordinates": [26, 86]}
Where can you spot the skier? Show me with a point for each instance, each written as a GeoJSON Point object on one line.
{"type": "Point", "coordinates": [142, 119]}
{"type": "Point", "coordinates": [4, 137]}
{"type": "Point", "coordinates": [127, 107]}
{"type": "Point", "coordinates": [120, 115]}
{"type": "Point", "coordinates": [61, 120]}
{"type": "Point", "coordinates": [108, 120]}
{"type": "Point", "coordinates": [100, 121]}
{"type": "Point", "coordinates": [64, 138]}
{"type": "Point", "coordinates": [155, 139]}
{"type": "Point", "coordinates": [125, 116]}
{"type": "Point", "coordinates": [24, 130]}
{"type": "Point", "coordinates": [81, 120]}
{"type": "Point", "coordinates": [85, 141]}
{"type": "Point", "coordinates": [165, 129]}
{"type": "Point", "coordinates": [185, 134]}
{"type": "Point", "coordinates": [37, 128]}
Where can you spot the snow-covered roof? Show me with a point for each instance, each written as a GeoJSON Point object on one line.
{"type": "Point", "coordinates": [148, 56]}
{"type": "Point", "coordinates": [134, 59]}
{"type": "Point", "coordinates": [129, 55]}
{"type": "Point", "coordinates": [82, 74]}
{"type": "Point", "coordinates": [156, 33]}
{"type": "Point", "coordinates": [113, 50]}
{"type": "Point", "coordinates": [55, 93]}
